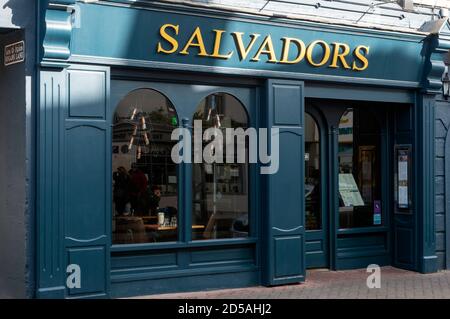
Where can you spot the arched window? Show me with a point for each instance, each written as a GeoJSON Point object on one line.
{"type": "Point", "coordinates": [313, 215]}
{"type": "Point", "coordinates": [145, 181]}
{"type": "Point", "coordinates": [220, 189]}
{"type": "Point", "coordinates": [359, 169]}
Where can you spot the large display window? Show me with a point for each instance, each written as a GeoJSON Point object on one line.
{"type": "Point", "coordinates": [313, 214]}
{"type": "Point", "coordinates": [145, 179]}
{"type": "Point", "coordinates": [220, 190]}
{"type": "Point", "coordinates": [359, 177]}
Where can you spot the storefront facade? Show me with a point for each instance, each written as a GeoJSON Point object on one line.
{"type": "Point", "coordinates": [355, 113]}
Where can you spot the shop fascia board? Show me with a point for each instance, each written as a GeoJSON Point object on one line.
{"type": "Point", "coordinates": [59, 20]}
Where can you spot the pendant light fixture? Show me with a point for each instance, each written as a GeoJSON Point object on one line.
{"type": "Point", "coordinates": [141, 131]}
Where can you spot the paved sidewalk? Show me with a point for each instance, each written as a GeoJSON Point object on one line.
{"type": "Point", "coordinates": [351, 284]}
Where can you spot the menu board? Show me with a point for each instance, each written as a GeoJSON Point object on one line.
{"type": "Point", "coordinates": [349, 191]}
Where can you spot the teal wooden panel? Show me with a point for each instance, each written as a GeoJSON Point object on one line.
{"type": "Point", "coordinates": [87, 93]}
{"type": "Point", "coordinates": [188, 281]}
{"type": "Point", "coordinates": [50, 243]}
{"type": "Point", "coordinates": [364, 240]}
{"type": "Point", "coordinates": [404, 229]}
{"type": "Point", "coordinates": [87, 178]}
{"type": "Point", "coordinates": [284, 223]}
{"type": "Point", "coordinates": [149, 261]}
{"type": "Point", "coordinates": [403, 239]}
{"type": "Point", "coordinates": [285, 113]}
{"type": "Point", "coordinates": [228, 255]}
{"type": "Point", "coordinates": [92, 264]}
{"type": "Point", "coordinates": [358, 262]}
{"type": "Point", "coordinates": [314, 246]}
{"type": "Point", "coordinates": [74, 195]}
{"type": "Point", "coordinates": [403, 120]}
{"type": "Point", "coordinates": [285, 189]}
{"type": "Point", "coordinates": [293, 247]}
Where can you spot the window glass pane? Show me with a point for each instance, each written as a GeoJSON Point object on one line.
{"type": "Point", "coordinates": [220, 190]}
{"type": "Point", "coordinates": [359, 170]}
{"type": "Point", "coordinates": [145, 181]}
{"type": "Point", "coordinates": [312, 174]}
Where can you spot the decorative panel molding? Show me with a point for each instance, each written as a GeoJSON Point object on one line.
{"type": "Point", "coordinates": [51, 268]}
{"type": "Point", "coordinates": [74, 182]}
{"type": "Point", "coordinates": [58, 32]}
{"type": "Point", "coordinates": [285, 210]}
{"type": "Point", "coordinates": [435, 47]}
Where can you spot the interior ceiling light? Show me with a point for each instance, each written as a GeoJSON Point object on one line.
{"type": "Point", "coordinates": [140, 136]}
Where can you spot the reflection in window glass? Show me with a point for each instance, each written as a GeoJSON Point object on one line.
{"type": "Point", "coordinates": [312, 174]}
{"type": "Point", "coordinates": [220, 190]}
{"type": "Point", "coordinates": [145, 194]}
{"type": "Point", "coordinates": [359, 170]}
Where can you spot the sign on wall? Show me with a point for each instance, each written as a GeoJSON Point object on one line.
{"type": "Point", "coordinates": [201, 42]}
{"type": "Point", "coordinates": [14, 53]}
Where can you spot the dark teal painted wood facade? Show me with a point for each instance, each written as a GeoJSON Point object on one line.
{"type": "Point", "coordinates": [74, 165]}
{"type": "Point", "coordinates": [285, 232]}
{"type": "Point", "coordinates": [75, 179]}
{"type": "Point", "coordinates": [187, 263]}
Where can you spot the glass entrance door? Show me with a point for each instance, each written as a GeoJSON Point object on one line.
{"type": "Point", "coordinates": [316, 221]}
{"type": "Point", "coordinates": [359, 170]}
{"type": "Point", "coordinates": [345, 205]}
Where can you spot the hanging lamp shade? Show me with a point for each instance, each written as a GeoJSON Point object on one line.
{"type": "Point", "coordinates": [140, 136]}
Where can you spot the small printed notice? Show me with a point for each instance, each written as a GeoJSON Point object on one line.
{"type": "Point", "coordinates": [377, 212]}
{"type": "Point", "coordinates": [14, 53]}
{"type": "Point", "coordinates": [349, 191]}
{"type": "Point", "coordinates": [403, 171]}
{"type": "Point", "coordinates": [403, 196]}
{"type": "Point", "coordinates": [403, 193]}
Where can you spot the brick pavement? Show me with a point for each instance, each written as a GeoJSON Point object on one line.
{"type": "Point", "coordinates": [349, 284]}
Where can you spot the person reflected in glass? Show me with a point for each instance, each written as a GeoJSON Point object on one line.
{"type": "Point", "coordinates": [138, 192]}
{"type": "Point", "coordinates": [121, 187]}
{"type": "Point", "coordinates": [155, 198]}
{"type": "Point", "coordinates": [312, 198]}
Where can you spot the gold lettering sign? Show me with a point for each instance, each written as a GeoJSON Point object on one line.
{"type": "Point", "coordinates": [254, 47]}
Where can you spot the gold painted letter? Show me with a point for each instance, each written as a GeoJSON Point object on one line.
{"type": "Point", "coordinates": [326, 53]}
{"type": "Point", "coordinates": [197, 36]}
{"type": "Point", "coordinates": [301, 48]}
{"type": "Point", "coordinates": [361, 57]}
{"type": "Point", "coordinates": [266, 48]}
{"type": "Point", "coordinates": [243, 51]}
{"type": "Point", "coordinates": [168, 38]}
{"type": "Point", "coordinates": [217, 42]}
{"type": "Point", "coordinates": [340, 55]}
